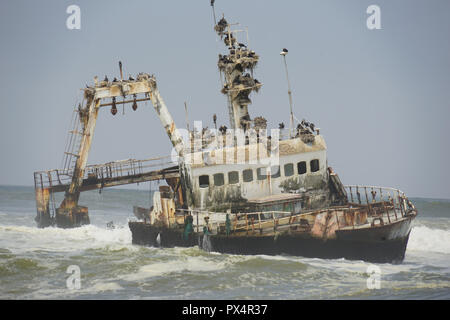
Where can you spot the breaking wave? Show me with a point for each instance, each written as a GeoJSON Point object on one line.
{"type": "Point", "coordinates": [423, 238]}
{"type": "Point", "coordinates": [22, 238]}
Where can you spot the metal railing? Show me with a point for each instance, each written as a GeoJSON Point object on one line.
{"type": "Point", "coordinates": [383, 203]}
{"type": "Point", "coordinates": [367, 206]}
{"type": "Point", "coordinates": [241, 222]}
{"type": "Point", "coordinates": [110, 170]}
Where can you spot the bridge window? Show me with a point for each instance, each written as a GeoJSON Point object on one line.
{"type": "Point", "coordinates": [275, 171]}
{"type": "Point", "coordinates": [314, 165]}
{"type": "Point", "coordinates": [203, 181]}
{"type": "Point", "coordinates": [261, 173]}
{"type": "Point", "coordinates": [233, 177]}
{"type": "Point", "coordinates": [288, 169]}
{"type": "Point", "coordinates": [247, 175]}
{"type": "Point", "coordinates": [301, 167]}
{"type": "Point", "coordinates": [219, 179]}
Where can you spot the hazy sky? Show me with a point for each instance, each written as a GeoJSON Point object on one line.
{"type": "Point", "coordinates": [380, 97]}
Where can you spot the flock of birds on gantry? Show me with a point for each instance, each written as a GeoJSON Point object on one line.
{"type": "Point", "coordinates": [304, 127]}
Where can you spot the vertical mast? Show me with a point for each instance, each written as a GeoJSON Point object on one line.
{"type": "Point", "coordinates": [237, 66]}
{"type": "Point", "coordinates": [284, 52]}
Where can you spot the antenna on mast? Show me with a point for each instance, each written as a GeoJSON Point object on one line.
{"type": "Point", "coordinates": [187, 119]}
{"type": "Point", "coordinates": [214, 12]}
{"type": "Point", "coordinates": [283, 53]}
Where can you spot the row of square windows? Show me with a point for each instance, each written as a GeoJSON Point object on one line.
{"type": "Point", "coordinates": [261, 173]}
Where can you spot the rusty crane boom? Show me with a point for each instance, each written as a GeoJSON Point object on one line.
{"type": "Point", "coordinates": [77, 176]}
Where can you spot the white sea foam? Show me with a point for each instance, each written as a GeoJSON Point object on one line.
{"type": "Point", "coordinates": [44, 290]}
{"type": "Point", "coordinates": [431, 240]}
{"type": "Point", "coordinates": [22, 238]}
{"type": "Point", "coordinates": [187, 264]}
{"type": "Point", "coordinates": [101, 286]}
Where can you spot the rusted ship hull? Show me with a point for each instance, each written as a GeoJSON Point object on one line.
{"type": "Point", "coordinates": [384, 244]}
{"type": "Point", "coordinates": [147, 235]}
{"type": "Point", "coordinates": [380, 244]}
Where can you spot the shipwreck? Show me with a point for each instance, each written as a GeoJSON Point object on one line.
{"type": "Point", "coordinates": [243, 189]}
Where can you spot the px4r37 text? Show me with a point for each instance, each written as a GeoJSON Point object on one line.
{"type": "Point", "coordinates": [246, 309]}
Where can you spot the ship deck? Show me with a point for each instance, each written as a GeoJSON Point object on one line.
{"type": "Point", "coordinates": [387, 206]}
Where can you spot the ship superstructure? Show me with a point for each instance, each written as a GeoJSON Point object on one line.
{"type": "Point", "coordinates": [232, 167]}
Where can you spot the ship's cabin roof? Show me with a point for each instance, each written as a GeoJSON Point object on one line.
{"type": "Point", "coordinates": [250, 153]}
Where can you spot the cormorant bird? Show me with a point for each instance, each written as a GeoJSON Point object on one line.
{"type": "Point", "coordinates": [131, 78]}
{"type": "Point", "coordinates": [222, 22]}
{"type": "Point", "coordinates": [106, 79]}
{"type": "Point", "coordinates": [305, 123]}
{"type": "Point", "coordinates": [223, 129]}
{"type": "Point", "coordinates": [281, 126]}
{"type": "Point", "coordinates": [115, 80]}
{"type": "Point", "coordinates": [229, 40]}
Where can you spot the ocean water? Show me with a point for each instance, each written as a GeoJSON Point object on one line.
{"type": "Point", "coordinates": [34, 262]}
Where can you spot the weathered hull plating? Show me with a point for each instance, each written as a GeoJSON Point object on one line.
{"type": "Point", "coordinates": [380, 244]}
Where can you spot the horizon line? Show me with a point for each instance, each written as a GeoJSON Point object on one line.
{"type": "Point", "coordinates": [120, 187]}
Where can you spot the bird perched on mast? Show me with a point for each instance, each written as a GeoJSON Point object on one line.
{"type": "Point", "coordinates": [215, 120]}
{"type": "Point", "coordinates": [284, 52]}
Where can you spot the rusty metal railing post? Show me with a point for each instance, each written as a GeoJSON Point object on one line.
{"type": "Point", "coordinates": [395, 211]}
{"type": "Point", "coordinates": [404, 202]}
{"type": "Point", "coordinates": [384, 207]}
{"type": "Point", "coordinates": [399, 204]}
{"type": "Point", "coordinates": [351, 194]}
{"type": "Point", "coordinates": [367, 201]}
{"type": "Point", "coordinates": [57, 176]}
{"type": "Point", "coordinates": [358, 194]}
